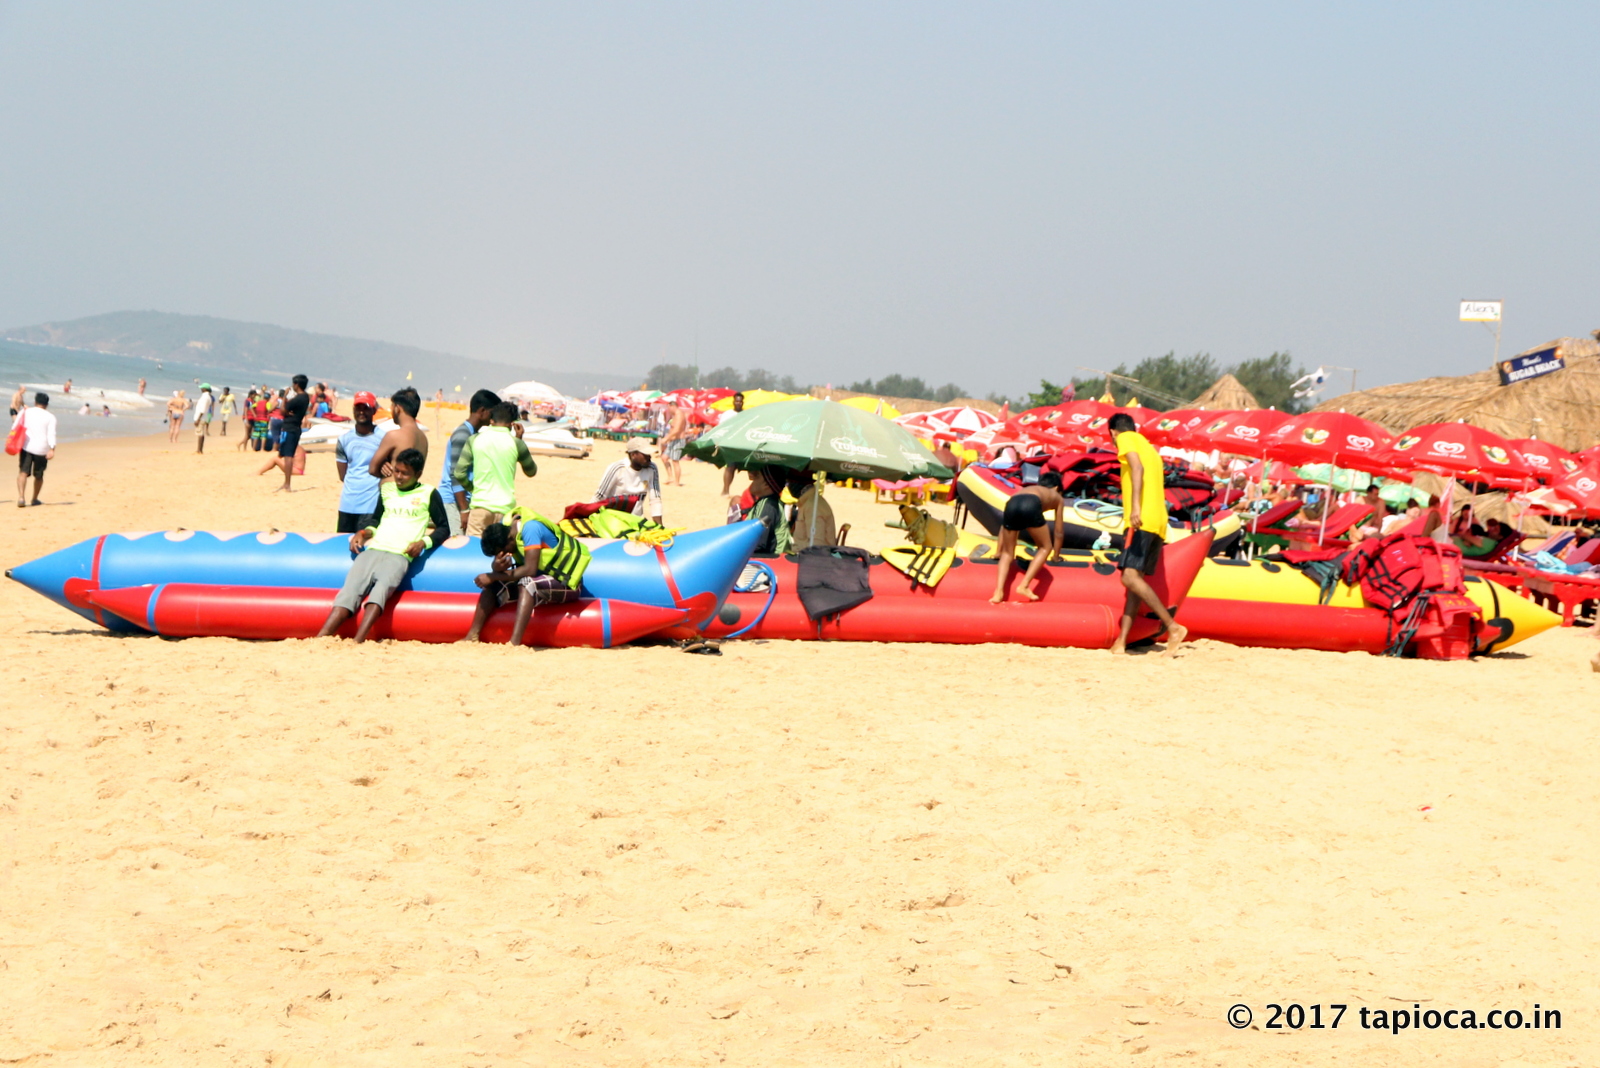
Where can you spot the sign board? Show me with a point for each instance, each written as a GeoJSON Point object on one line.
{"type": "Point", "coordinates": [1480, 311]}
{"type": "Point", "coordinates": [1534, 364]}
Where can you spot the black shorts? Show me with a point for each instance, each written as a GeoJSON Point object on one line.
{"type": "Point", "coordinates": [1142, 553]}
{"type": "Point", "coordinates": [288, 441]}
{"type": "Point", "coordinates": [31, 463]}
{"type": "Point", "coordinates": [1024, 511]}
{"type": "Point", "coordinates": [350, 522]}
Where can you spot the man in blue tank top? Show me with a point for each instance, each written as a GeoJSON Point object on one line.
{"type": "Point", "coordinates": [352, 454]}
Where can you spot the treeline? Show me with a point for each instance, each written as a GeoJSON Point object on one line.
{"type": "Point", "coordinates": [1172, 381]}
{"type": "Point", "coordinates": [910, 388]}
{"type": "Point", "coordinates": [670, 376]}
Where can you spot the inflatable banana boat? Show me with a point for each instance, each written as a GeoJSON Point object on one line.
{"type": "Point", "coordinates": [1273, 605]}
{"type": "Point", "coordinates": [985, 494]}
{"type": "Point", "coordinates": [1080, 603]}
{"type": "Point", "coordinates": [181, 610]}
{"type": "Point", "coordinates": [694, 573]}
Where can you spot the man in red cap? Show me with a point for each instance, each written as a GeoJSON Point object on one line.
{"type": "Point", "coordinates": [355, 450]}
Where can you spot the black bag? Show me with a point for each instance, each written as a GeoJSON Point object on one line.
{"type": "Point", "coordinates": [832, 580]}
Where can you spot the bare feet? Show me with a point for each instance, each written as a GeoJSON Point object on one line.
{"type": "Point", "coordinates": [470, 639]}
{"type": "Point", "coordinates": [1118, 649]}
{"type": "Point", "coordinates": [998, 598]}
{"type": "Point", "coordinates": [1594, 665]}
{"type": "Point", "coordinates": [1175, 635]}
{"type": "Point", "coordinates": [1027, 594]}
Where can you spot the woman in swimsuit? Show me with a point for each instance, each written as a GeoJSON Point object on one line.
{"type": "Point", "coordinates": [1025, 512]}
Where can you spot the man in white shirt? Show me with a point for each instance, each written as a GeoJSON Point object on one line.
{"type": "Point", "coordinates": [203, 406]}
{"type": "Point", "coordinates": [38, 446]}
{"type": "Point", "coordinates": [635, 478]}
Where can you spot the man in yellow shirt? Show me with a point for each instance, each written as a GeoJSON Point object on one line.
{"type": "Point", "coordinates": [1144, 503]}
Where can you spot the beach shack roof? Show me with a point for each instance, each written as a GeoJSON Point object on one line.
{"type": "Point", "coordinates": [1562, 407]}
{"type": "Point", "coordinates": [1226, 394]}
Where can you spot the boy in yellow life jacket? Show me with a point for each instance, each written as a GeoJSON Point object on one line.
{"type": "Point", "coordinates": [532, 556]}
{"type": "Point", "coordinates": [409, 520]}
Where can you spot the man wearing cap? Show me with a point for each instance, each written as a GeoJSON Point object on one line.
{"type": "Point", "coordinates": [634, 478]}
{"type": "Point", "coordinates": [354, 451]}
{"type": "Point", "coordinates": [202, 416]}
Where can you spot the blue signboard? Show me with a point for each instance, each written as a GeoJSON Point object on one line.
{"type": "Point", "coordinates": [1534, 364]}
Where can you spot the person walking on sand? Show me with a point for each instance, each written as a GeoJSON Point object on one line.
{"type": "Point", "coordinates": [488, 466]}
{"type": "Point", "coordinates": [1025, 513]}
{"type": "Point", "coordinates": [479, 410]}
{"type": "Point", "coordinates": [38, 446]}
{"type": "Point", "coordinates": [407, 434]}
{"type": "Point", "coordinates": [226, 406]}
{"type": "Point", "coordinates": [673, 442]}
{"type": "Point", "coordinates": [409, 520]}
{"type": "Point", "coordinates": [358, 498]}
{"type": "Point", "coordinates": [175, 409]}
{"type": "Point", "coordinates": [1144, 504]}
{"type": "Point", "coordinates": [203, 406]}
{"type": "Point", "coordinates": [294, 414]}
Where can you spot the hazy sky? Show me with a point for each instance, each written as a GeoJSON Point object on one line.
{"type": "Point", "coordinates": [988, 193]}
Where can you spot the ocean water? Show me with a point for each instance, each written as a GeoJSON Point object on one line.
{"type": "Point", "coordinates": [103, 379]}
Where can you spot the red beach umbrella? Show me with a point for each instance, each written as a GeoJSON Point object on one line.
{"type": "Point", "coordinates": [1245, 433]}
{"type": "Point", "coordinates": [1337, 438]}
{"type": "Point", "coordinates": [1458, 449]}
{"type": "Point", "coordinates": [1550, 463]}
{"type": "Point", "coordinates": [1173, 428]}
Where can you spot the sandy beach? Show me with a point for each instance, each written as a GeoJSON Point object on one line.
{"type": "Point", "coordinates": [310, 853]}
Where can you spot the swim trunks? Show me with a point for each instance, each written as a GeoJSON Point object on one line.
{"type": "Point", "coordinates": [1023, 512]}
{"type": "Point", "coordinates": [1142, 553]}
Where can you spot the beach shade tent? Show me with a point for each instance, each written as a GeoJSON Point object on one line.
{"type": "Point", "coordinates": [1457, 449]}
{"type": "Point", "coordinates": [1242, 433]}
{"type": "Point", "coordinates": [875, 405]}
{"type": "Point", "coordinates": [825, 436]}
{"type": "Point", "coordinates": [1226, 394]}
{"type": "Point", "coordinates": [1173, 428]}
{"type": "Point", "coordinates": [1548, 462]}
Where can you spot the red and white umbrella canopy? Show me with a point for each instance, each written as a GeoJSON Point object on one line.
{"type": "Point", "coordinates": [1337, 438]}
{"type": "Point", "coordinates": [1245, 433]}
{"type": "Point", "coordinates": [1457, 449]}
{"type": "Point", "coordinates": [1582, 488]}
{"type": "Point", "coordinates": [1549, 463]}
{"type": "Point", "coordinates": [1173, 428]}
{"type": "Point", "coordinates": [961, 418]}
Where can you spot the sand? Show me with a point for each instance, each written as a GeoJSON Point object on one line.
{"type": "Point", "coordinates": [224, 853]}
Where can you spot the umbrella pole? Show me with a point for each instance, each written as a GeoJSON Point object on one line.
{"type": "Point", "coordinates": [818, 479]}
{"type": "Point", "coordinates": [1327, 502]}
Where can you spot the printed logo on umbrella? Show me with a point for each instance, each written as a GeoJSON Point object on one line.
{"type": "Point", "coordinates": [1248, 432]}
{"type": "Point", "coordinates": [1585, 485]}
{"type": "Point", "coordinates": [1358, 441]}
{"type": "Point", "coordinates": [1078, 417]}
{"type": "Point", "coordinates": [766, 433]}
{"type": "Point", "coordinates": [1496, 454]}
{"type": "Point", "coordinates": [847, 466]}
{"type": "Point", "coordinates": [854, 448]}
{"type": "Point", "coordinates": [1166, 425]}
{"type": "Point", "coordinates": [1098, 422]}
{"type": "Point", "coordinates": [1312, 436]}
{"type": "Point", "coordinates": [1570, 465]}
{"type": "Point", "coordinates": [1448, 448]}
{"type": "Point", "coordinates": [1410, 441]}
{"type": "Point", "coordinates": [1218, 425]}
{"type": "Point", "coordinates": [1536, 459]}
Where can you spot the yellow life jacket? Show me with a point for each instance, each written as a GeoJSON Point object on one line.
{"type": "Point", "coordinates": [565, 561]}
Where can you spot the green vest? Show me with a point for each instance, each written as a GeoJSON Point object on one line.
{"type": "Point", "coordinates": [608, 523]}
{"type": "Point", "coordinates": [565, 561]}
{"type": "Point", "coordinates": [405, 517]}
{"type": "Point", "coordinates": [494, 467]}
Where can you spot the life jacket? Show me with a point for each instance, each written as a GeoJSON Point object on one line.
{"type": "Point", "coordinates": [1393, 570]}
{"type": "Point", "coordinates": [405, 517]}
{"type": "Point", "coordinates": [565, 561]}
{"type": "Point", "coordinates": [608, 523]}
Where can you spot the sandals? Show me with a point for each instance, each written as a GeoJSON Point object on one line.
{"type": "Point", "coordinates": [703, 646]}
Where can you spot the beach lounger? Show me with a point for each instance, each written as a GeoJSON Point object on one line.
{"type": "Point", "coordinates": [1331, 535]}
{"type": "Point", "coordinates": [1258, 532]}
{"type": "Point", "coordinates": [1569, 592]}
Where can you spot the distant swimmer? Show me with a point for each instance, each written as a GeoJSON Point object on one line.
{"type": "Point", "coordinates": [141, 387]}
{"type": "Point", "coordinates": [67, 387]}
{"type": "Point", "coordinates": [403, 406]}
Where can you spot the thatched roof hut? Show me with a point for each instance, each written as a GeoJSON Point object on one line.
{"type": "Point", "coordinates": [1226, 394]}
{"type": "Point", "coordinates": [1561, 407]}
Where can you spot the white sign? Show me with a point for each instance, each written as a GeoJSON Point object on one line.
{"type": "Point", "coordinates": [1480, 311]}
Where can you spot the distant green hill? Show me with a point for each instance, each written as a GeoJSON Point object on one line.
{"type": "Point", "coordinates": [270, 353]}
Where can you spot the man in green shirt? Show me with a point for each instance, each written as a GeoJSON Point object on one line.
{"type": "Point", "coordinates": [487, 466]}
{"type": "Point", "coordinates": [410, 520]}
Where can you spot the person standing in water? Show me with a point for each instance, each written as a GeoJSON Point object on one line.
{"type": "Point", "coordinates": [141, 387]}
{"type": "Point", "coordinates": [1144, 503]}
{"type": "Point", "coordinates": [1024, 514]}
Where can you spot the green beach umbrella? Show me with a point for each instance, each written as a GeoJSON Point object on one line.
{"type": "Point", "coordinates": [1401, 495]}
{"type": "Point", "coordinates": [824, 435]}
{"type": "Point", "coordinates": [1343, 479]}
